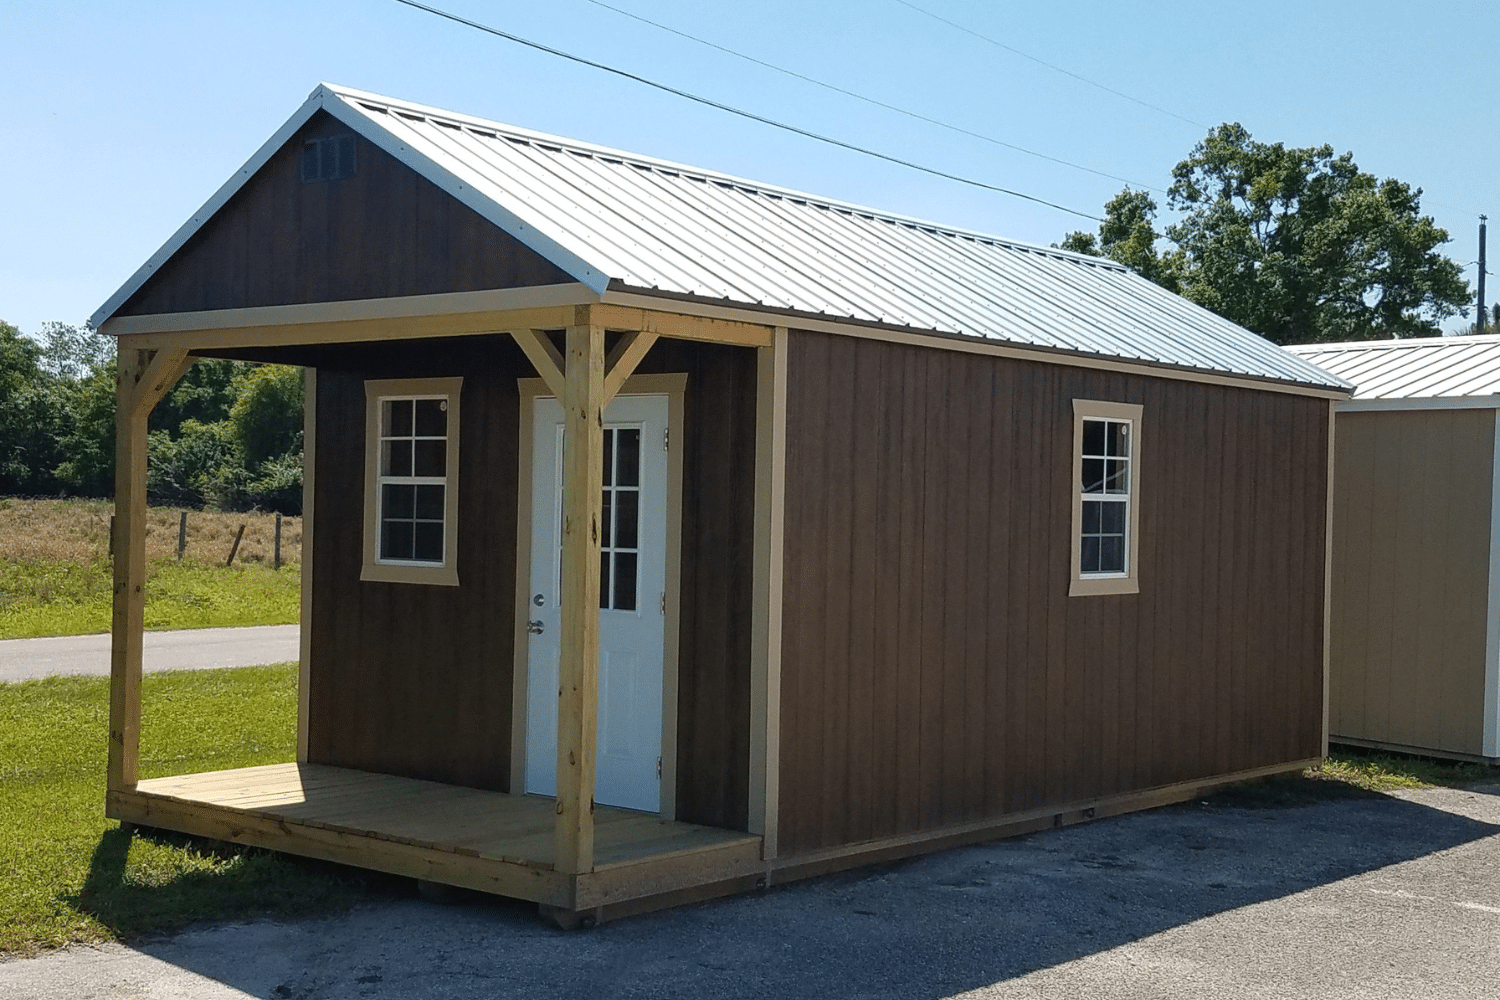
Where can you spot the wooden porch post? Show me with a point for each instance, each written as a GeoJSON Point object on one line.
{"type": "Point", "coordinates": [143, 379]}
{"type": "Point", "coordinates": [578, 667]}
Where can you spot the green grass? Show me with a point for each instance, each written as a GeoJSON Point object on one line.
{"type": "Point", "coordinates": [41, 598]}
{"type": "Point", "coordinates": [1350, 773]}
{"type": "Point", "coordinates": [68, 875]}
{"type": "Point", "coordinates": [1378, 771]}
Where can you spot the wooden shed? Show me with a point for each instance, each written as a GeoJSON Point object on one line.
{"type": "Point", "coordinates": [1415, 602]}
{"type": "Point", "coordinates": [670, 534]}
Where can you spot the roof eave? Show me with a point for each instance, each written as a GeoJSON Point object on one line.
{"type": "Point", "coordinates": [1337, 387]}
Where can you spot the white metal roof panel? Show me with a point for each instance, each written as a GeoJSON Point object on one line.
{"type": "Point", "coordinates": [616, 220]}
{"type": "Point", "coordinates": [1429, 368]}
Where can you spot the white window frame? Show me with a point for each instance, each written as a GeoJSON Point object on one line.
{"type": "Point", "coordinates": [375, 569]}
{"type": "Point", "coordinates": [1083, 584]}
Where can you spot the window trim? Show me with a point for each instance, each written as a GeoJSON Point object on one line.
{"type": "Point", "coordinates": [1088, 585]}
{"type": "Point", "coordinates": [374, 570]}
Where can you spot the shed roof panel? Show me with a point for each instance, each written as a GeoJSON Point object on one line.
{"type": "Point", "coordinates": [1429, 368]}
{"type": "Point", "coordinates": [619, 220]}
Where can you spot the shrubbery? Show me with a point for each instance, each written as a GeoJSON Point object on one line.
{"type": "Point", "coordinates": [229, 434]}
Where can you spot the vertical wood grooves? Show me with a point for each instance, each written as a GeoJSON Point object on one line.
{"type": "Point", "coordinates": [935, 670]}
{"type": "Point", "coordinates": [386, 231]}
{"type": "Point", "coordinates": [1410, 576]}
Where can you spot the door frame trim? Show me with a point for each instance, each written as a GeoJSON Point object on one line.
{"type": "Point", "coordinates": [674, 387]}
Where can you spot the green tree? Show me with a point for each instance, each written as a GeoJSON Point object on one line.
{"type": "Point", "coordinates": [205, 393]}
{"type": "Point", "coordinates": [266, 417]}
{"type": "Point", "coordinates": [1296, 244]}
{"type": "Point", "coordinates": [29, 416]}
{"type": "Point", "coordinates": [86, 442]}
{"type": "Point", "coordinates": [1128, 235]}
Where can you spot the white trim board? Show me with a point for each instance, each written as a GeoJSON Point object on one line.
{"type": "Point", "coordinates": [1491, 731]}
{"type": "Point", "coordinates": [1357, 405]}
{"type": "Point", "coordinates": [396, 307]}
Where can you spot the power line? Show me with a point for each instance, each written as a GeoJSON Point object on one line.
{"type": "Point", "coordinates": [869, 100]}
{"type": "Point", "coordinates": [746, 114]}
{"type": "Point", "coordinates": [1052, 66]}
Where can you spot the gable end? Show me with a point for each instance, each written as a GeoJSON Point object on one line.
{"type": "Point", "coordinates": [360, 226]}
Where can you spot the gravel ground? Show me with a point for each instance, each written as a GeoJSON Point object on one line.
{"type": "Point", "coordinates": [1383, 896]}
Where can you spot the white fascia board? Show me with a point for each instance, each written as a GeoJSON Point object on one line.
{"type": "Point", "coordinates": [1490, 745]}
{"type": "Point", "coordinates": [1421, 403]}
{"type": "Point", "coordinates": [581, 270]}
{"type": "Point", "coordinates": [220, 197]}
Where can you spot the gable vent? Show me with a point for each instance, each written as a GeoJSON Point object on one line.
{"type": "Point", "coordinates": [328, 159]}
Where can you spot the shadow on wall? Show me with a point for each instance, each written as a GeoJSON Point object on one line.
{"type": "Point", "coordinates": [927, 928]}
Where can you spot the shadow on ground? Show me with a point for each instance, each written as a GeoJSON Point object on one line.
{"type": "Point", "coordinates": [927, 928]}
{"type": "Point", "coordinates": [156, 896]}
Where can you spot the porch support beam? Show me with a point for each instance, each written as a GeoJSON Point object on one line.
{"type": "Point", "coordinates": [622, 361]}
{"type": "Point", "coordinates": [544, 357]}
{"type": "Point", "coordinates": [578, 666]}
{"type": "Point", "coordinates": [143, 378]}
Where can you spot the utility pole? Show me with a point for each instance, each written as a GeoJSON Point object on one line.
{"type": "Point", "coordinates": [1479, 323]}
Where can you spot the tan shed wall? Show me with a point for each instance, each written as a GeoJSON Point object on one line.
{"type": "Point", "coordinates": [1411, 543]}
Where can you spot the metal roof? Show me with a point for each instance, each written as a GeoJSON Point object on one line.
{"type": "Point", "coordinates": [1430, 368]}
{"type": "Point", "coordinates": [618, 221]}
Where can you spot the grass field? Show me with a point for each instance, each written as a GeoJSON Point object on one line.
{"type": "Point", "coordinates": [55, 570]}
{"type": "Point", "coordinates": [69, 875]}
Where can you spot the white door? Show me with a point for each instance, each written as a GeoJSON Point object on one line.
{"type": "Point", "coordinates": [632, 598]}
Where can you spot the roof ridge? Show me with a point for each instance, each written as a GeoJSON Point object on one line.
{"type": "Point", "coordinates": [511, 132]}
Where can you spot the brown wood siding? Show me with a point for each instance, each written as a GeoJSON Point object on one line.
{"type": "Point", "coordinates": [1411, 544]}
{"type": "Point", "coordinates": [386, 231]}
{"type": "Point", "coordinates": [718, 532]}
{"type": "Point", "coordinates": [417, 681]}
{"type": "Point", "coordinates": [406, 679]}
{"type": "Point", "coordinates": [935, 670]}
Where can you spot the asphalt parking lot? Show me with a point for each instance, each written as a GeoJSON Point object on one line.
{"type": "Point", "coordinates": [1390, 896]}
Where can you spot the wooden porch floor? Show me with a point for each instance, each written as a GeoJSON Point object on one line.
{"type": "Point", "coordinates": [462, 836]}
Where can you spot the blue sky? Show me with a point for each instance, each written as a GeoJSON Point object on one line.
{"type": "Point", "coordinates": [123, 121]}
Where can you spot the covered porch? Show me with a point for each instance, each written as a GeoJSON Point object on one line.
{"type": "Point", "coordinates": [489, 841]}
{"type": "Point", "coordinates": [579, 861]}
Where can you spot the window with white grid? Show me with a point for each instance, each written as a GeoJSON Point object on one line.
{"type": "Point", "coordinates": [411, 509]}
{"type": "Point", "coordinates": [1105, 515]}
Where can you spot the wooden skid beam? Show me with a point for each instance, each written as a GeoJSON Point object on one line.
{"type": "Point", "coordinates": [578, 666]}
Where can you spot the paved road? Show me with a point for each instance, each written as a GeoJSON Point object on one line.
{"type": "Point", "coordinates": [1389, 897]}
{"type": "Point", "coordinates": [189, 649]}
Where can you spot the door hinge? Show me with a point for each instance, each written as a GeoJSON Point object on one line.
{"type": "Point", "coordinates": [666, 438]}
{"type": "Point", "coordinates": [658, 769]}
{"type": "Point", "coordinates": [663, 602]}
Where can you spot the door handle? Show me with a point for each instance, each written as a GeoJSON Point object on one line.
{"type": "Point", "coordinates": [535, 628]}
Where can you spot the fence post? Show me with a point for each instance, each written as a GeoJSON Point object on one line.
{"type": "Point", "coordinates": [181, 535]}
{"type": "Point", "coordinates": [237, 536]}
{"type": "Point", "coordinates": [276, 557]}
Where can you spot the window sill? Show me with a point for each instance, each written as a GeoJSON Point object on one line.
{"type": "Point", "coordinates": [1096, 586]}
{"type": "Point", "coordinates": [434, 576]}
